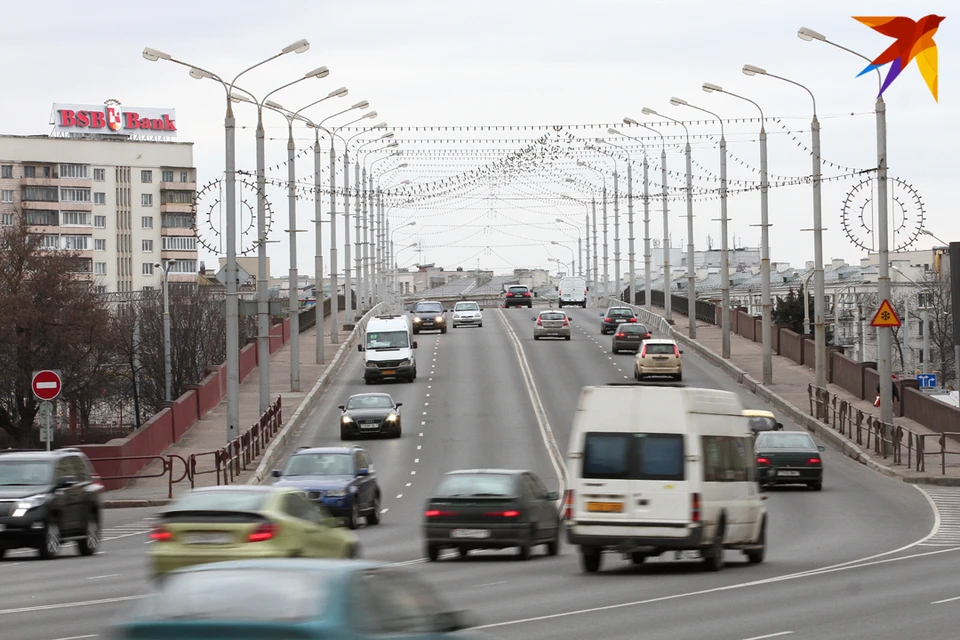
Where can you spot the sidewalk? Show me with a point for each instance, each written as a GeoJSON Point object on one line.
{"type": "Point", "coordinates": [790, 386]}
{"type": "Point", "coordinates": [209, 433]}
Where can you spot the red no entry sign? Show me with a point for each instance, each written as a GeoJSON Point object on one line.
{"type": "Point", "coordinates": [46, 384]}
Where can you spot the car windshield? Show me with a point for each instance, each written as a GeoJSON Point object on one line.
{"type": "Point", "coordinates": [633, 456]}
{"type": "Point", "coordinates": [620, 312]}
{"type": "Point", "coordinates": [632, 328]}
{"type": "Point", "coordinates": [553, 315]}
{"type": "Point", "coordinates": [25, 473]}
{"type": "Point", "coordinates": [233, 500]}
{"type": "Point", "coordinates": [759, 423]}
{"type": "Point", "coordinates": [467, 306]}
{"type": "Point", "coordinates": [239, 594]}
{"type": "Point", "coordinates": [320, 464]}
{"type": "Point", "coordinates": [387, 340]}
{"type": "Point", "coordinates": [660, 349]}
{"type": "Point", "coordinates": [370, 402]}
{"type": "Point", "coordinates": [478, 484]}
{"type": "Point", "coordinates": [782, 440]}
{"type": "Point", "coordinates": [429, 307]}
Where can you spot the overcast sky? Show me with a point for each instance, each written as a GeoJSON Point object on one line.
{"type": "Point", "coordinates": [422, 63]}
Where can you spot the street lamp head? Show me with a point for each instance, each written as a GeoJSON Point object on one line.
{"type": "Point", "coordinates": [402, 165]}
{"type": "Point", "coordinates": [157, 265]}
{"type": "Point", "coordinates": [589, 147]}
{"type": "Point", "coordinates": [393, 144]}
{"type": "Point", "coordinates": [239, 97]}
{"type": "Point", "coordinates": [361, 105]}
{"type": "Point", "coordinates": [678, 102]}
{"type": "Point", "coordinates": [386, 136]}
{"type": "Point", "coordinates": [379, 125]}
{"type": "Point", "coordinates": [613, 132]}
{"type": "Point", "coordinates": [710, 87]}
{"type": "Point", "coordinates": [154, 54]}
{"type": "Point", "coordinates": [274, 105]}
{"type": "Point", "coordinates": [630, 121]}
{"type": "Point", "coordinates": [371, 115]}
{"type": "Point", "coordinates": [299, 46]}
{"type": "Point", "coordinates": [569, 180]}
{"type": "Point", "coordinates": [750, 70]}
{"type": "Point", "coordinates": [580, 163]}
{"type": "Point", "coordinates": [647, 111]}
{"type": "Point", "coordinates": [338, 93]}
{"type": "Point", "coordinates": [554, 242]}
{"type": "Point", "coordinates": [200, 74]}
{"type": "Point", "coordinates": [319, 72]}
{"type": "Point", "coordinates": [411, 223]}
{"type": "Point", "coordinates": [560, 220]}
{"type": "Point", "coordinates": [809, 34]}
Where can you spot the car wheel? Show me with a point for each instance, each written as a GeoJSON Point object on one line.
{"type": "Point", "coordinates": [51, 542]}
{"type": "Point", "coordinates": [433, 552]}
{"type": "Point", "coordinates": [553, 546]}
{"type": "Point", "coordinates": [637, 558]}
{"type": "Point", "coordinates": [90, 543]}
{"type": "Point", "coordinates": [374, 516]}
{"type": "Point", "coordinates": [816, 486]}
{"type": "Point", "coordinates": [713, 556]}
{"type": "Point", "coordinates": [755, 556]}
{"type": "Point", "coordinates": [526, 548]}
{"type": "Point", "coordinates": [479, 324]}
{"type": "Point", "coordinates": [566, 337]}
{"type": "Point", "coordinates": [463, 551]}
{"type": "Point", "coordinates": [536, 337]}
{"type": "Point", "coordinates": [444, 330]}
{"type": "Point", "coordinates": [343, 434]}
{"type": "Point", "coordinates": [368, 380]}
{"type": "Point", "coordinates": [678, 377]}
{"type": "Point", "coordinates": [399, 430]}
{"type": "Point", "coordinates": [615, 351]}
{"type": "Point", "coordinates": [636, 374]}
{"type": "Point", "coordinates": [590, 559]}
{"type": "Point", "coordinates": [354, 521]}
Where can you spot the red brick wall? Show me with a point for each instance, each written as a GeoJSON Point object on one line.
{"type": "Point", "coordinates": [208, 393]}
{"type": "Point", "coordinates": [185, 410]}
{"type": "Point", "coordinates": [248, 360]}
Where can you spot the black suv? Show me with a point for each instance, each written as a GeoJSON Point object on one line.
{"type": "Point", "coordinates": [48, 498]}
{"type": "Point", "coordinates": [518, 296]}
{"type": "Point", "coordinates": [614, 317]}
{"type": "Point", "coordinates": [428, 314]}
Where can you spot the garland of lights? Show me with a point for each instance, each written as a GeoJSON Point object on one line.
{"type": "Point", "coordinates": [211, 237]}
{"type": "Point", "coordinates": [858, 223]}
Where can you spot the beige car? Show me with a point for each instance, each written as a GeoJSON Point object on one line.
{"type": "Point", "coordinates": [551, 324]}
{"type": "Point", "coordinates": [658, 357]}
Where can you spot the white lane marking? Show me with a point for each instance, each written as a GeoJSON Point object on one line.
{"type": "Point", "coordinates": [428, 395]}
{"type": "Point", "coordinates": [421, 435]}
{"type": "Point", "coordinates": [384, 510]}
{"type": "Point", "coordinates": [68, 605]}
{"type": "Point", "coordinates": [399, 495]}
{"type": "Point", "coordinates": [423, 422]}
{"type": "Point", "coordinates": [426, 404]}
{"type": "Point", "coordinates": [419, 447]}
{"type": "Point", "coordinates": [413, 473]}
{"type": "Point", "coordinates": [92, 635]}
{"type": "Point", "coordinates": [429, 386]}
{"type": "Point", "coordinates": [109, 575]}
{"type": "Point", "coordinates": [409, 483]}
{"type": "Point", "coordinates": [490, 584]}
{"type": "Point", "coordinates": [546, 432]}
{"type": "Point", "coordinates": [770, 635]}
{"type": "Point", "coordinates": [416, 460]}
{"type": "Point", "coordinates": [424, 413]}
{"type": "Point", "coordinates": [793, 576]}
{"type": "Point", "coordinates": [947, 600]}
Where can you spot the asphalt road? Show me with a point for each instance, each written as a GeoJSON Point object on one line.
{"type": "Point", "coordinates": [470, 407]}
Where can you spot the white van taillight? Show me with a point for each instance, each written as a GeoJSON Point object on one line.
{"type": "Point", "coordinates": [568, 505]}
{"type": "Point", "coordinates": [695, 508]}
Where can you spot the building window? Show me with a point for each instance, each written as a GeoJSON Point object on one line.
{"type": "Point", "coordinates": [40, 194]}
{"type": "Point", "coordinates": [99, 197]}
{"type": "Point", "coordinates": [183, 266]}
{"type": "Point", "coordinates": [99, 175]}
{"type": "Point", "coordinates": [74, 195]}
{"type": "Point", "coordinates": [51, 242]}
{"type": "Point", "coordinates": [43, 218]}
{"type": "Point", "coordinates": [6, 219]}
{"type": "Point", "coordinates": [177, 197]}
{"type": "Point", "coordinates": [146, 176]}
{"type": "Point", "coordinates": [147, 287]}
{"type": "Point", "coordinates": [6, 171]}
{"type": "Point", "coordinates": [74, 171]}
{"type": "Point", "coordinates": [179, 243]}
{"type": "Point", "coordinates": [100, 244]}
{"type": "Point", "coordinates": [146, 199]}
{"type": "Point", "coordinates": [167, 176]}
{"type": "Point", "coordinates": [100, 268]}
{"type": "Point", "coordinates": [100, 288]}
{"type": "Point", "coordinates": [6, 195]}
{"type": "Point", "coordinates": [75, 218]}
{"type": "Point", "coordinates": [30, 172]}
{"type": "Point", "coordinates": [76, 243]}
{"type": "Point", "coordinates": [184, 176]}
{"type": "Point", "coordinates": [146, 222]}
{"type": "Point", "coordinates": [178, 221]}
{"type": "Point", "coordinates": [100, 222]}
{"type": "Point", "coordinates": [146, 246]}
{"type": "Point", "coordinates": [147, 269]}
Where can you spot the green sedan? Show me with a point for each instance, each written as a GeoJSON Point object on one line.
{"type": "Point", "coordinates": [216, 524]}
{"type": "Point", "coordinates": [789, 457]}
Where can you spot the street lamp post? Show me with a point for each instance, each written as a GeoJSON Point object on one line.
{"type": "Point", "coordinates": [231, 302]}
{"type": "Point", "coordinates": [591, 283]}
{"type": "Point", "coordinates": [363, 195]}
{"type": "Point", "coordinates": [372, 244]}
{"type": "Point", "coordinates": [616, 213]}
{"type": "Point", "coordinates": [606, 272]}
{"type": "Point", "coordinates": [765, 297]}
{"type": "Point", "coordinates": [360, 217]}
{"type": "Point", "coordinates": [647, 276]}
{"type": "Point", "coordinates": [579, 241]}
{"type": "Point", "coordinates": [631, 254]}
{"type": "Point", "coordinates": [573, 259]}
{"type": "Point", "coordinates": [167, 360]}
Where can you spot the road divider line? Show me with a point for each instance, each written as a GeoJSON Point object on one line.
{"type": "Point", "coordinates": [945, 601]}
{"type": "Point", "coordinates": [546, 431]}
{"type": "Point", "coordinates": [68, 605]}
{"type": "Point", "coordinates": [770, 635]}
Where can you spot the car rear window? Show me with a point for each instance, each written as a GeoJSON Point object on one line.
{"type": "Point", "coordinates": [620, 312]}
{"type": "Point", "coordinates": [782, 440]}
{"type": "Point", "coordinates": [660, 349]}
{"type": "Point", "coordinates": [553, 316]}
{"type": "Point", "coordinates": [761, 423]}
{"type": "Point", "coordinates": [632, 328]}
{"type": "Point", "coordinates": [240, 594]}
{"type": "Point", "coordinates": [517, 289]}
{"type": "Point", "coordinates": [633, 456]}
{"type": "Point", "coordinates": [221, 501]}
{"type": "Point", "coordinates": [480, 484]}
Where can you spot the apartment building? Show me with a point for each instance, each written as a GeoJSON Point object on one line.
{"type": "Point", "coordinates": [122, 204]}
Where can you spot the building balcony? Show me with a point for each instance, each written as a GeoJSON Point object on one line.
{"type": "Point", "coordinates": [171, 207]}
{"type": "Point", "coordinates": [41, 182]}
{"type": "Point", "coordinates": [178, 186]}
{"type": "Point", "coordinates": [178, 255]}
{"type": "Point", "coordinates": [76, 206]}
{"type": "Point", "coordinates": [42, 205]}
{"type": "Point", "coordinates": [177, 231]}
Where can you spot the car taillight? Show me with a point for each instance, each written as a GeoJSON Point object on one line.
{"type": "Point", "coordinates": [568, 505]}
{"type": "Point", "coordinates": [676, 351]}
{"type": "Point", "coordinates": [264, 532]}
{"type": "Point", "coordinates": [695, 508]}
{"type": "Point", "coordinates": [643, 351]}
{"type": "Point", "coordinates": [633, 319]}
{"type": "Point", "coordinates": [436, 513]}
{"type": "Point", "coordinates": [539, 321]}
{"type": "Point", "coordinates": [763, 461]}
{"type": "Point", "coordinates": [526, 295]}
{"type": "Point", "coordinates": [509, 295]}
{"type": "Point", "coordinates": [621, 335]}
{"type": "Point", "coordinates": [646, 336]}
{"type": "Point", "coordinates": [607, 320]}
{"type": "Point", "coordinates": [566, 322]}
{"type": "Point", "coordinates": [503, 514]}
{"type": "Point", "coordinates": [159, 534]}
{"type": "Point", "coordinates": [813, 461]}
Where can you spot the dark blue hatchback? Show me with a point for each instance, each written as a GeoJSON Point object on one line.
{"type": "Point", "coordinates": [342, 479]}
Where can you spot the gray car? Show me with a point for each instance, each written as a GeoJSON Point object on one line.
{"type": "Point", "coordinates": [551, 324]}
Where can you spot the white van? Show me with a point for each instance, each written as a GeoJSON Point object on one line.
{"type": "Point", "coordinates": [388, 346]}
{"type": "Point", "coordinates": [655, 468]}
{"type": "Point", "coordinates": [573, 292]}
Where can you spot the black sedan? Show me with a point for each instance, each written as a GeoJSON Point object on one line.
{"type": "Point", "coordinates": [491, 509]}
{"type": "Point", "coordinates": [370, 413]}
{"type": "Point", "coordinates": [789, 457]}
{"type": "Point", "coordinates": [614, 317]}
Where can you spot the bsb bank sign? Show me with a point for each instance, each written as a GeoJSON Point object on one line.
{"type": "Point", "coordinates": [112, 119]}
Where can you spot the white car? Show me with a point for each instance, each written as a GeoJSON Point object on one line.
{"type": "Point", "coordinates": [467, 313]}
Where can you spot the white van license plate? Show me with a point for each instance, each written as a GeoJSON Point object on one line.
{"type": "Point", "coordinates": [788, 473]}
{"type": "Point", "coordinates": [469, 533]}
{"type": "Point", "coordinates": [605, 507]}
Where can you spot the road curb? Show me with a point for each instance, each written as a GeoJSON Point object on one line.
{"type": "Point", "coordinates": [134, 503]}
{"type": "Point", "coordinates": [273, 452]}
{"type": "Point", "coordinates": [824, 432]}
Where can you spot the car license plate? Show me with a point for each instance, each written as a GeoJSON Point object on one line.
{"type": "Point", "coordinates": [208, 538]}
{"type": "Point", "coordinates": [788, 473]}
{"type": "Point", "coordinates": [605, 507]}
{"type": "Point", "coordinates": [389, 372]}
{"type": "Point", "coordinates": [469, 533]}
{"type": "Point", "coordinates": [370, 425]}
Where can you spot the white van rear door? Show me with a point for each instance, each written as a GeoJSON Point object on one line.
{"type": "Point", "coordinates": [634, 477]}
